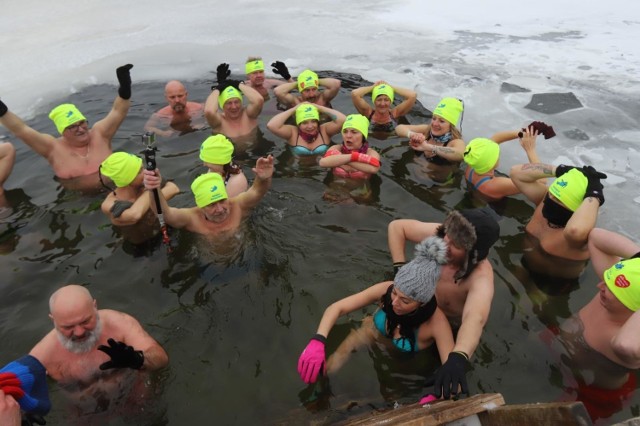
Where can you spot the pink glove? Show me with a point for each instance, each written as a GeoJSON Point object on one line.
{"type": "Point", "coordinates": [427, 399]}
{"type": "Point", "coordinates": [364, 158]}
{"type": "Point", "coordinates": [311, 360]}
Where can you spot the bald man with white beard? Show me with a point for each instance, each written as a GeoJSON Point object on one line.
{"type": "Point", "coordinates": [90, 347]}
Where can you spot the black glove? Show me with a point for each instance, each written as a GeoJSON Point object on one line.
{"type": "Point", "coordinates": [450, 375]}
{"type": "Point", "coordinates": [222, 72]}
{"type": "Point", "coordinates": [30, 419]}
{"type": "Point", "coordinates": [3, 109]}
{"type": "Point", "coordinates": [122, 356]}
{"type": "Point", "coordinates": [124, 78]}
{"type": "Point", "coordinates": [562, 169]}
{"type": "Point", "coordinates": [226, 83]}
{"type": "Point", "coordinates": [119, 207]}
{"type": "Point", "coordinates": [594, 186]}
{"type": "Point", "coordinates": [281, 69]}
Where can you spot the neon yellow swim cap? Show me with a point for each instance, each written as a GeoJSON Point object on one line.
{"type": "Point", "coordinates": [65, 115]}
{"type": "Point", "coordinates": [121, 167]}
{"type": "Point", "coordinates": [358, 122]}
{"type": "Point", "coordinates": [307, 79]}
{"type": "Point", "coordinates": [228, 93]}
{"type": "Point", "coordinates": [570, 188]}
{"type": "Point", "coordinates": [382, 89]}
{"type": "Point", "coordinates": [208, 188]}
{"type": "Point", "coordinates": [482, 155]}
{"type": "Point", "coordinates": [307, 112]}
{"type": "Point", "coordinates": [216, 149]}
{"type": "Point", "coordinates": [253, 66]}
{"type": "Point", "coordinates": [623, 280]}
{"type": "Point", "coordinates": [450, 109]}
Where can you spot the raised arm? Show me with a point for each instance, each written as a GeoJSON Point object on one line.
{"type": "Point", "coordinates": [254, 98]}
{"type": "Point", "coordinates": [283, 93]}
{"type": "Point", "coordinates": [357, 97]}
{"type": "Point", "coordinates": [278, 127]}
{"type": "Point", "coordinates": [608, 247]}
{"type": "Point", "coordinates": [400, 231]}
{"type": "Point", "coordinates": [337, 120]}
{"type": "Point", "coordinates": [527, 176]}
{"type": "Point", "coordinates": [211, 109]}
{"type": "Point", "coordinates": [331, 88]}
{"type": "Point", "coordinates": [41, 143]}
{"type": "Point", "coordinates": [261, 184]}
{"type": "Point", "coordinates": [108, 126]}
{"type": "Point", "coordinates": [409, 101]}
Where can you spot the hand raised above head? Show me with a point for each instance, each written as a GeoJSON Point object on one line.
{"type": "Point", "coordinates": [264, 167]}
{"type": "Point", "coordinates": [124, 78]}
{"type": "Point", "coordinates": [281, 69]}
{"type": "Point", "coordinates": [222, 72]}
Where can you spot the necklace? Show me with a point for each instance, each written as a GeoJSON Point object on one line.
{"type": "Point", "coordinates": [86, 156]}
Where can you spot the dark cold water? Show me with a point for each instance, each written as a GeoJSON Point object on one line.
{"type": "Point", "coordinates": [234, 319]}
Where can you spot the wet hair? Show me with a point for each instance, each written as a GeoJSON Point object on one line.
{"type": "Point", "coordinates": [409, 322]}
{"type": "Point", "coordinates": [231, 169]}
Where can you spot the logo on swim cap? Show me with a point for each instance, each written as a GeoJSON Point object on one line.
{"type": "Point", "coordinates": [622, 282]}
{"type": "Point", "coordinates": [69, 114]}
{"type": "Point", "coordinates": [562, 183]}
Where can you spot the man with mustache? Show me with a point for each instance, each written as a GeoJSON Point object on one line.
{"type": "Point", "coordinates": [179, 116]}
{"type": "Point", "coordinates": [215, 213]}
{"type": "Point", "coordinates": [88, 346]}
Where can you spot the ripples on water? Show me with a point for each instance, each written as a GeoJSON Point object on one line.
{"type": "Point", "coordinates": [234, 317]}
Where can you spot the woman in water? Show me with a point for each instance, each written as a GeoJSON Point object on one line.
{"type": "Point", "coordinates": [308, 136]}
{"type": "Point", "coordinates": [382, 117]}
{"type": "Point", "coordinates": [440, 142]}
{"type": "Point", "coordinates": [354, 159]}
{"type": "Point", "coordinates": [408, 317]}
{"type": "Point", "coordinates": [216, 154]}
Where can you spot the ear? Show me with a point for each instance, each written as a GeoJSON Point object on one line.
{"type": "Point", "coordinates": [95, 304]}
{"type": "Point", "coordinates": [51, 316]}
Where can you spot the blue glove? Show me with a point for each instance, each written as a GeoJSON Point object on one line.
{"type": "Point", "coordinates": [452, 374]}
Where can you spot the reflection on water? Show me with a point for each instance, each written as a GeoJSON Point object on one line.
{"type": "Point", "coordinates": [234, 316]}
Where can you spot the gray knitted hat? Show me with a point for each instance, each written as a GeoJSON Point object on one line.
{"type": "Point", "coordinates": [418, 278]}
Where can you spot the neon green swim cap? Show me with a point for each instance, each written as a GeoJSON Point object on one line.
{"type": "Point", "coordinates": [208, 188]}
{"type": "Point", "coordinates": [306, 112]}
{"type": "Point", "coordinates": [307, 79]}
{"type": "Point", "coordinates": [121, 167]}
{"type": "Point", "coordinates": [623, 280]}
{"type": "Point", "coordinates": [65, 115]}
{"type": "Point", "coordinates": [216, 149]}
{"type": "Point", "coordinates": [228, 93]}
{"type": "Point", "coordinates": [450, 109]}
{"type": "Point", "coordinates": [382, 89]}
{"type": "Point", "coordinates": [358, 122]}
{"type": "Point", "coordinates": [570, 188]}
{"type": "Point", "coordinates": [253, 66]}
{"type": "Point", "coordinates": [482, 155]}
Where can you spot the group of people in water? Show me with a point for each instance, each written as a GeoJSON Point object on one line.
{"type": "Point", "coordinates": [442, 296]}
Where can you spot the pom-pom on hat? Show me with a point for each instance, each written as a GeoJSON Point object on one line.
{"type": "Point", "coordinates": [418, 278]}
{"type": "Point", "coordinates": [25, 379]}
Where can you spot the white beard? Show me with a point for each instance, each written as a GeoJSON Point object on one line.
{"type": "Point", "coordinates": [85, 345]}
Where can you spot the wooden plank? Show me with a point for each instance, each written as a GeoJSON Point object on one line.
{"type": "Point", "coordinates": [436, 413]}
{"type": "Point", "coordinates": [553, 413]}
